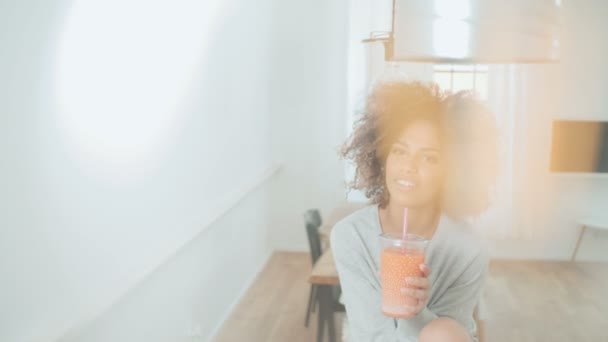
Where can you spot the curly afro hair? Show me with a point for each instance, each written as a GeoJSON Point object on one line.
{"type": "Point", "coordinates": [468, 137]}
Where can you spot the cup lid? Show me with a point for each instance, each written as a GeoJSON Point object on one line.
{"type": "Point", "coordinates": [410, 237]}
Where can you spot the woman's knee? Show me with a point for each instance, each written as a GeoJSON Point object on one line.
{"type": "Point", "coordinates": [444, 330]}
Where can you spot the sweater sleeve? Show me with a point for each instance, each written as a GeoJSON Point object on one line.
{"type": "Point", "coordinates": [362, 295]}
{"type": "Point", "coordinates": [459, 300]}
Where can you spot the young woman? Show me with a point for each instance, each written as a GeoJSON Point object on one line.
{"type": "Point", "coordinates": [417, 148]}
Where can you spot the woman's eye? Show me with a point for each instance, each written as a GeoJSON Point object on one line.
{"type": "Point", "coordinates": [430, 159]}
{"type": "Point", "coordinates": [398, 151]}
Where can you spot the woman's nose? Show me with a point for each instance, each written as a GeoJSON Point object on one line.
{"type": "Point", "coordinates": [410, 166]}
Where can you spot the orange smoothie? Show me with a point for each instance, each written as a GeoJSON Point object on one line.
{"type": "Point", "coordinates": [396, 264]}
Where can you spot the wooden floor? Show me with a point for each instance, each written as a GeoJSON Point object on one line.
{"type": "Point", "coordinates": [525, 301]}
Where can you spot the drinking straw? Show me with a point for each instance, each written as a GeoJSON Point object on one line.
{"type": "Point", "coordinates": [404, 236]}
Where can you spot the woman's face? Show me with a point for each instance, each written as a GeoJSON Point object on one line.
{"type": "Point", "coordinates": [414, 166]}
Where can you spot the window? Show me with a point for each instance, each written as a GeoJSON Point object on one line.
{"type": "Point", "coordinates": [462, 77]}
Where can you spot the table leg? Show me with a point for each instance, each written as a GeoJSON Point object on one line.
{"type": "Point", "coordinates": [321, 313]}
{"type": "Point", "coordinates": [578, 242]}
{"type": "Point", "coordinates": [326, 313]}
{"type": "Point", "coordinates": [331, 329]}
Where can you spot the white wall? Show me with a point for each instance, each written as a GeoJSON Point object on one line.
{"type": "Point", "coordinates": [77, 228]}
{"type": "Point", "coordinates": [188, 298]}
{"type": "Point", "coordinates": [308, 113]}
{"type": "Point", "coordinates": [575, 88]}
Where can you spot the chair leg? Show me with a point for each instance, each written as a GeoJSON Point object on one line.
{"type": "Point", "coordinates": [329, 315]}
{"type": "Point", "coordinates": [320, 317]}
{"type": "Point", "coordinates": [310, 306]}
{"type": "Point", "coordinates": [331, 329]}
{"type": "Point", "coordinates": [314, 294]}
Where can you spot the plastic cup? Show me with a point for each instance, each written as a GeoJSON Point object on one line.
{"type": "Point", "coordinates": [399, 259]}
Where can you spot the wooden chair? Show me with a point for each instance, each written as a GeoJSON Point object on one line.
{"type": "Point", "coordinates": [325, 297]}
{"type": "Point", "coordinates": [312, 222]}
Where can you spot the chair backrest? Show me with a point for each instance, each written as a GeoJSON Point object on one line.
{"type": "Point", "coordinates": [312, 221]}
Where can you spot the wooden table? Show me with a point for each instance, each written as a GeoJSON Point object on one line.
{"type": "Point", "coordinates": [325, 276]}
{"type": "Point", "coordinates": [338, 213]}
{"type": "Point", "coordinates": [324, 272]}
{"type": "Point", "coordinates": [597, 224]}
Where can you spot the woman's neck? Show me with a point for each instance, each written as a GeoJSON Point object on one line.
{"type": "Point", "coordinates": [420, 221]}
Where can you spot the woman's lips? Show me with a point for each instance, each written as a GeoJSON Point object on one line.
{"type": "Point", "coordinates": [406, 184]}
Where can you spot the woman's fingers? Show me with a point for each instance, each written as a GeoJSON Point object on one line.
{"type": "Point", "coordinates": [415, 293]}
{"type": "Point", "coordinates": [426, 271]}
{"type": "Point", "coordinates": [412, 309]}
{"type": "Point", "coordinates": [420, 282]}
{"type": "Point", "coordinates": [416, 290]}
{"type": "Point", "coordinates": [411, 301]}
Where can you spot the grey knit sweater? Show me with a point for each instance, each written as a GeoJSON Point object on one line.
{"type": "Point", "coordinates": [458, 264]}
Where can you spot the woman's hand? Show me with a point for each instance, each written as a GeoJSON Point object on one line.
{"type": "Point", "coordinates": [417, 290]}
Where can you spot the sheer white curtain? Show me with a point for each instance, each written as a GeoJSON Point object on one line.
{"type": "Point", "coordinates": [508, 100]}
